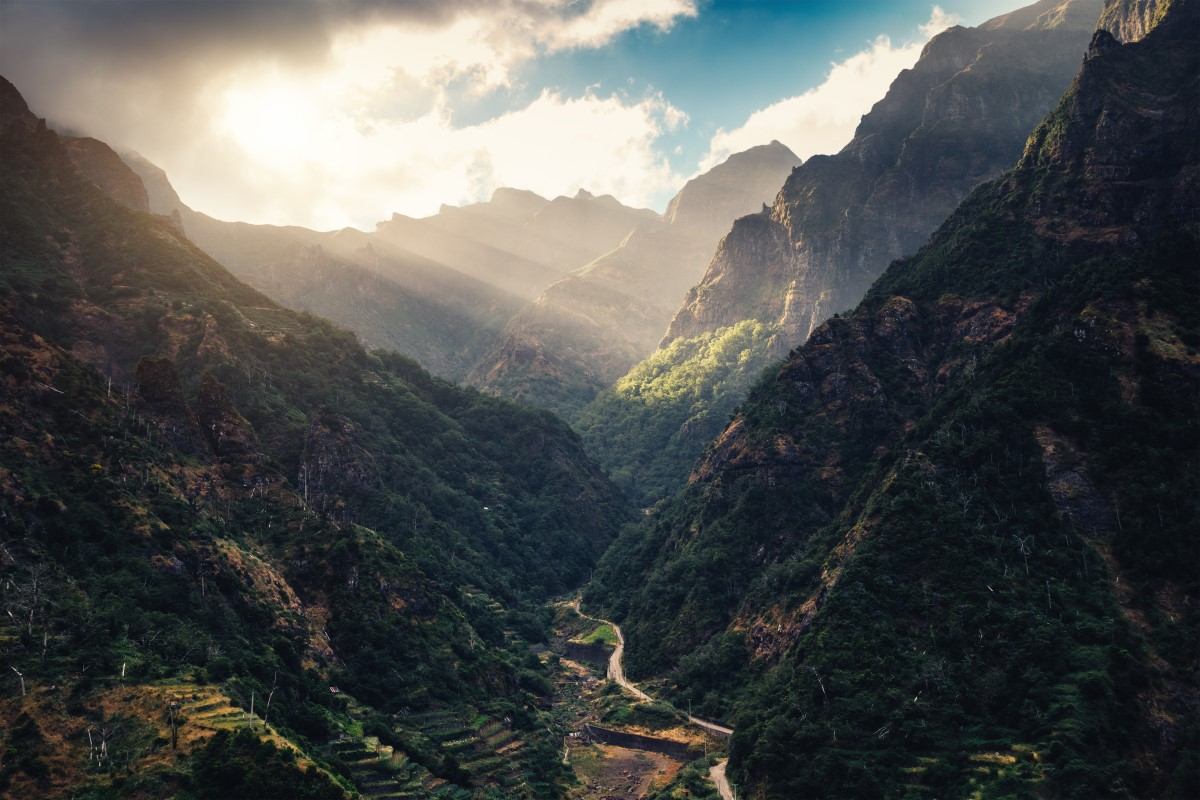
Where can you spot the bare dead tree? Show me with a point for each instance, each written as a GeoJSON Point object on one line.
{"type": "Point", "coordinates": [19, 677]}
{"type": "Point", "coordinates": [1024, 548]}
{"type": "Point", "coordinates": [821, 683]}
{"type": "Point", "coordinates": [270, 697]}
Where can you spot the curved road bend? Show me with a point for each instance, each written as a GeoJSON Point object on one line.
{"type": "Point", "coordinates": [616, 673]}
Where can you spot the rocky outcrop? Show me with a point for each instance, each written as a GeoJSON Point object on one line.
{"type": "Point", "coordinates": [958, 118]}
{"type": "Point", "coordinates": [1131, 20]}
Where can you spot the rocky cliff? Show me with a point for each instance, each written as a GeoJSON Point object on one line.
{"type": "Point", "coordinates": [948, 548]}
{"type": "Point", "coordinates": [957, 118]}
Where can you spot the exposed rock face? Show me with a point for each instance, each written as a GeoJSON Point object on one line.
{"type": "Point", "coordinates": [958, 118]}
{"type": "Point", "coordinates": [1131, 20]}
{"type": "Point", "coordinates": [588, 328]}
{"type": "Point", "coordinates": [161, 195]}
{"type": "Point", "coordinates": [1041, 351]}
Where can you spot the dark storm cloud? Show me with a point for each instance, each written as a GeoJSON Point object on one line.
{"type": "Point", "coordinates": [53, 35]}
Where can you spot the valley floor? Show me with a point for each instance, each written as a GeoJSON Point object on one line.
{"type": "Point", "coordinates": [594, 700]}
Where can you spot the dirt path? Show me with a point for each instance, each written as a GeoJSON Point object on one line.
{"type": "Point", "coordinates": [616, 673]}
{"type": "Point", "coordinates": [717, 776]}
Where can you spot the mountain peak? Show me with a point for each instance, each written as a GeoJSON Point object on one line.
{"type": "Point", "coordinates": [524, 198]}
{"type": "Point", "coordinates": [736, 186]}
{"type": "Point", "coordinates": [13, 108]}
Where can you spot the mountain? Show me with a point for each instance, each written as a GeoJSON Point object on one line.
{"type": "Point", "coordinates": [589, 327]}
{"type": "Point", "coordinates": [957, 118]}
{"type": "Point", "coordinates": [228, 514]}
{"type": "Point", "coordinates": [954, 120]}
{"type": "Point", "coordinates": [518, 241]}
{"type": "Point", "coordinates": [948, 549]}
{"type": "Point", "coordinates": [391, 297]}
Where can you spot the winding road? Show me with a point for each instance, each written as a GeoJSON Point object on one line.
{"type": "Point", "coordinates": [616, 674]}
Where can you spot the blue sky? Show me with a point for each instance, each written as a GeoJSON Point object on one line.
{"type": "Point", "coordinates": [733, 58]}
{"type": "Point", "coordinates": [327, 113]}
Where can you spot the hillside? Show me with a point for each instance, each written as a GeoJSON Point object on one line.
{"type": "Point", "coordinates": [949, 548]}
{"type": "Point", "coordinates": [216, 505]}
{"type": "Point", "coordinates": [586, 329]}
{"type": "Point", "coordinates": [958, 117]}
{"type": "Point", "coordinates": [440, 289]}
{"type": "Point", "coordinates": [390, 297]}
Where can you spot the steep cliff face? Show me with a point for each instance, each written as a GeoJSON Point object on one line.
{"type": "Point", "coordinates": [588, 328]}
{"type": "Point", "coordinates": [959, 117]}
{"type": "Point", "coordinates": [1131, 20]}
{"type": "Point", "coordinates": [949, 547]}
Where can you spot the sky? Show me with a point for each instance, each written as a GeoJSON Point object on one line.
{"type": "Point", "coordinates": [327, 113]}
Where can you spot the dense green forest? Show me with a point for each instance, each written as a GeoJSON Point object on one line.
{"type": "Point", "coordinates": [951, 548]}
{"type": "Point", "coordinates": [651, 427]}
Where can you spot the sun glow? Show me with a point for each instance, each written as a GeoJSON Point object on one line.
{"type": "Point", "coordinates": [272, 122]}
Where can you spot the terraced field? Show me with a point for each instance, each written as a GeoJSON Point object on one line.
{"type": "Point", "coordinates": [481, 743]}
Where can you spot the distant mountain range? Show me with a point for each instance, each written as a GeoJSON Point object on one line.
{"type": "Point", "coordinates": [546, 301]}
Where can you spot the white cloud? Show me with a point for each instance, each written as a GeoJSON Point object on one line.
{"type": "Point", "coordinates": [330, 170]}
{"type": "Point", "coordinates": [333, 118]}
{"type": "Point", "coordinates": [823, 119]}
{"type": "Point", "coordinates": [605, 19]}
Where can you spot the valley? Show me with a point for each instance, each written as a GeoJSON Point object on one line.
{"type": "Point", "coordinates": [868, 474]}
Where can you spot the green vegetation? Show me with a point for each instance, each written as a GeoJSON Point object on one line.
{"type": "Point", "coordinates": [198, 485]}
{"type": "Point", "coordinates": [691, 783]}
{"type": "Point", "coordinates": [603, 634]}
{"type": "Point", "coordinates": [951, 550]}
{"type": "Point", "coordinates": [649, 429]}
{"type": "Point", "coordinates": [240, 765]}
